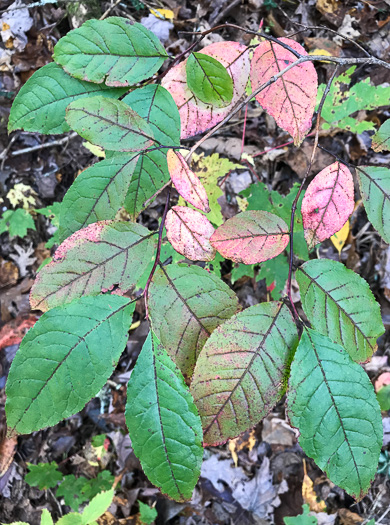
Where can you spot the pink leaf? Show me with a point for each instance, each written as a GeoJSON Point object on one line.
{"type": "Point", "coordinates": [189, 233]}
{"type": "Point", "coordinates": [196, 116]}
{"type": "Point", "coordinates": [292, 98]}
{"type": "Point", "coordinates": [186, 182]}
{"type": "Point", "coordinates": [251, 237]}
{"type": "Point", "coordinates": [327, 204]}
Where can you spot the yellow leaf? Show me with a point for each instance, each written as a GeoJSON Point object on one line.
{"type": "Point", "coordinates": [22, 194]}
{"type": "Point", "coordinates": [95, 150]}
{"type": "Point", "coordinates": [237, 444]}
{"type": "Point", "coordinates": [309, 495]}
{"type": "Point", "coordinates": [242, 203]}
{"type": "Point", "coordinates": [163, 13]}
{"type": "Point", "coordinates": [340, 238]}
{"type": "Point", "coordinates": [248, 158]}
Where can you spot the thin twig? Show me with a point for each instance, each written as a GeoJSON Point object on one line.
{"type": "Point", "coordinates": [106, 13]}
{"type": "Point", "coordinates": [157, 260]}
{"type": "Point", "coordinates": [294, 205]}
{"type": "Point", "coordinates": [58, 142]}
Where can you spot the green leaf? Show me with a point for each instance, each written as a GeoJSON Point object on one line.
{"type": "Point", "coordinates": [164, 426]}
{"type": "Point", "coordinates": [186, 303]}
{"type": "Point", "coordinates": [95, 259]}
{"type": "Point", "coordinates": [374, 183]}
{"type": "Point", "coordinates": [46, 518]}
{"type": "Point", "coordinates": [44, 475]}
{"type": "Point", "coordinates": [341, 102]}
{"type": "Point", "coordinates": [332, 403]}
{"type": "Point", "coordinates": [383, 396]}
{"type": "Point", "coordinates": [156, 105]}
{"type": "Point", "coordinates": [71, 490]}
{"type": "Point", "coordinates": [97, 506]}
{"type": "Point", "coordinates": [109, 123]}
{"type": "Point", "coordinates": [97, 193]}
{"type": "Point", "coordinates": [302, 519]}
{"type": "Point", "coordinates": [61, 363]}
{"type": "Point", "coordinates": [209, 80]}
{"type": "Point", "coordinates": [150, 174]}
{"type": "Point", "coordinates": [340, 304]}
{"type": "Point", "coordinates": [381, 139]}
{"type": "Point", "coordinates": [275, 273]}
{"type": "Point", "coordinates": [103, 482]}
{"type": "Point", "coordinates": [16, 222]}
{"type": "Point", "coordinates": [147, 514]}
{"type": "Point", "coordinates": [240, 374]}
{"type": "Point", "coordinates": [73, 518]}
{"type": "Point", "coordinates": [114, 51]}
{"type": "Point", "coordinates": [41, 102]}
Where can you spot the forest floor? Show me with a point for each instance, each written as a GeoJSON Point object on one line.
{"type": "Point", "coordinates": [263, 476]}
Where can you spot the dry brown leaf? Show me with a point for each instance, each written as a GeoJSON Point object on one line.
{"type": "Point", "coordinates": [309, 495]}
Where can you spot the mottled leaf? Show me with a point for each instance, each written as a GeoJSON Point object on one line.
{"type": "Point", "coordinates": [164, 425]}
{"type": "Point", "coordinates": [209, 80]}
{"type": "Point", "coordinates": [332, 402]}
{"type": "Point", "coordinates": [97, 193]}
{"type": "Point", "coordinates": [292, 98]}
{"type": "Point", "coordinates": [115, 51]}
{"type": "Point", "coordinates": [61, 363]}
{"type": "Point", "coordinates": [41, 102]}
{"type": "Point", "coordinates": [251, 237]}
{"type": "Point", "coordinates": [95, 259]}
{"type": "Point", "coordinates": [328, 203]}
{"type": "Point", "coordinates": [189, 233]}
{"type": "Point", "coordinates": [239, 376]}
{"type": "Point", "coordinates": [196, 116]}
{"type": "Point", "coordinates": [185, 305]}
{"type": "Point", "coordinates": [339, 304]}
{"type": "Point", "coordinates": [156, 105]}
{"type": "Point", "coordinates": [374, 183]}
{"type": "Point", "coordinates": [381, 139]}
{"type": "Point", "coordinates": [150, 174]}
{"type": "Point", "coordinates": [109, 123]}
{"type": "Point", "coordinates": [186, 182]}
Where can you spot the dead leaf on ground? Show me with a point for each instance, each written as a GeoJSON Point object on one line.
{"type": "Point", "coordinates": [8, 273]}
{"type": "Point", "coordinates": [241, 442]}
{"type": "Point", "coordinates": [7, 452]}
{"type": "Point", "coordinates": [13, 332]}
{"type": "Point", "coordinates": [349, 518]}
{"type": "Point", "coordinates": [309, 495]}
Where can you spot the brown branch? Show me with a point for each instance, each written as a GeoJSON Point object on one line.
{"type": "Point", "coordinates": [157, 260]}
{"type": "Point", "coordinates": [294, 205]}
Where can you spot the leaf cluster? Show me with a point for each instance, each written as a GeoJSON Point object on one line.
{"type": "Point", "coordinates": [207, 371]}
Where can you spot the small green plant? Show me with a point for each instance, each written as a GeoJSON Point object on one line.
{"type": "Point", "coordinates": [147, 514]}
{"type": "Point", "coordinates": [206, 372]}
{"type": "Point", "coordinates": [92, 512]}
{"type": "Point", "coordinates": [75, 491]}
{"type": "Point", "coordinates": [16, 222]}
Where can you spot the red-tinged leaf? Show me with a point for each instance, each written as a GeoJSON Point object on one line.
{"type": "Point", "coordinates": [292, 98]}
{"type": "Point", "coordinates": [189, 233]}
{"type": "Point", "coordinates": [95, 259]}
{"type": "Point", "coordinates": [196, 116]}
{"type": "Point", "coordinates": [251, 237]}
{"type": "Point", "coordinates": [186, 182]}
{"type": "Point", "coordinates": [327, 204]}
{"type": "Point", "coordinates": [239, 374]}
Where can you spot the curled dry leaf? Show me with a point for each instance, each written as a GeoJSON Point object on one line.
{"type": "Point", "coordinates": [251, 237]}
{"type": "Point", "coordinates": [189, 233]}
{"type": "Point", "coordinates": [328, 203]}
{"type": "Point", "coordinates": [196, 116]}
{"type": "Point", "coordinates": [292, 98]}
{"type": "Point", "coordinates": [186, 182]}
